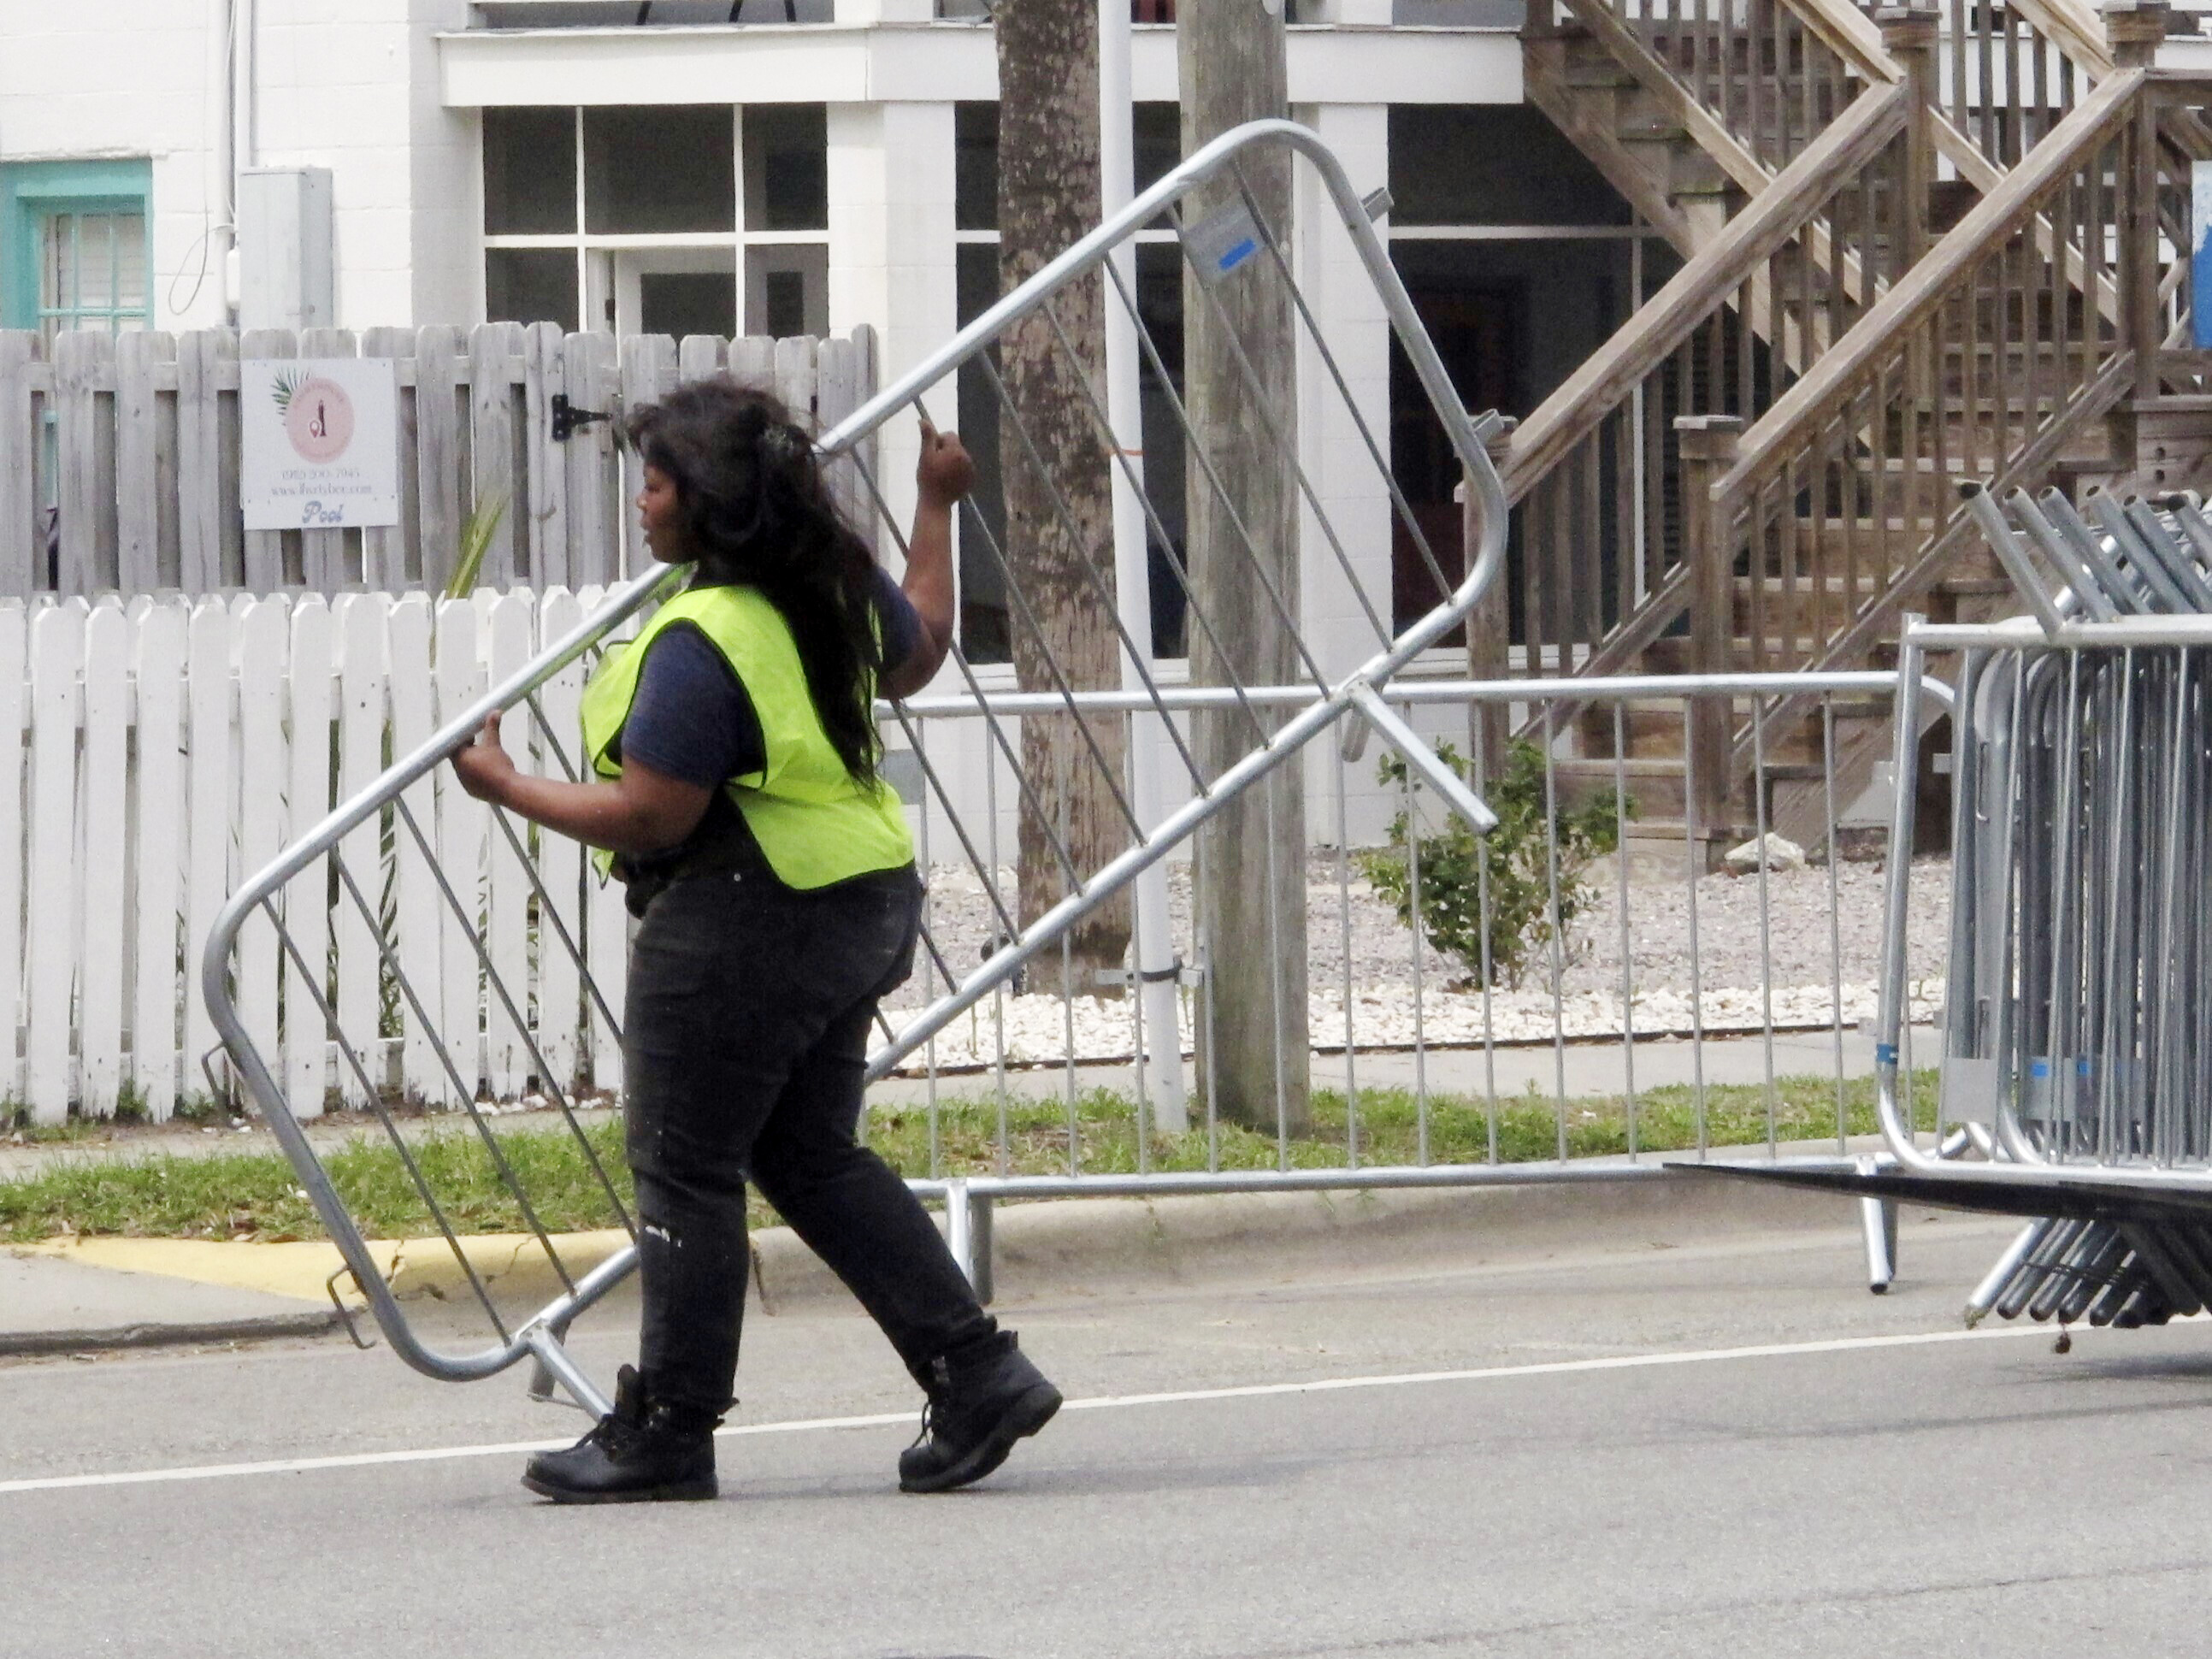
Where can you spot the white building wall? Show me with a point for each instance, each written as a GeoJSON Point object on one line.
{"type": "Point", "coordinates": [351, 85]}
{"type": "Point", "coordinates": [448, 200]}
{"type": "Point", "coordinates": [1337, 459]}
{"type": "Point", "coordinates": [892, 253]}
{"type": "Point", "coordinates": [128, 78]}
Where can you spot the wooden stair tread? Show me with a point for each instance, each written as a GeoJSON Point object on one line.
{"type": "Point", "coordinates": [1871, 527]}
{"type": "Point", "coordinates": [1636, 766]}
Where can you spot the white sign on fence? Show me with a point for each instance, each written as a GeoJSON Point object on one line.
{"type": "Point", "coordinates": [321, 442]}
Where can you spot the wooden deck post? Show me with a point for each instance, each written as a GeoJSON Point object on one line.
{"type": "Point", "coordinates": [1909, 35]}
{"type": "Point", "coordinates": [1708, 445]}
{"type": "Point", "coordinates": [2134, 29]}
{"type": "Point", "coordinates": [1489, 629]}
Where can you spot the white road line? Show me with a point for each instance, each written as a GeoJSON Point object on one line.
{"type": "Point", "coordinates": [1107, 1402]}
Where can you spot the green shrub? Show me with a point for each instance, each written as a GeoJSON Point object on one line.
{"type": "Point", "coordinates": [1456, 864]}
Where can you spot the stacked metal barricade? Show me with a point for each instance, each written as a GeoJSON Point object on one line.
{"type": "Point", "coordinates": [2077, 1049]}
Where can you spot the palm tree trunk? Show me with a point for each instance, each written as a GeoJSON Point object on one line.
{"type": "Point", "coordinates": [1058, 522]}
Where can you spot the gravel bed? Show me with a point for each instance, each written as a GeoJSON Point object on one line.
{"type": "Point", "coordinates": [1811, 957]}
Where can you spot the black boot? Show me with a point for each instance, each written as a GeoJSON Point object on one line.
{"type": "Point", "coordinates": [982, 1397]}
{"type": "Point", "coordinates": [644, 1449]}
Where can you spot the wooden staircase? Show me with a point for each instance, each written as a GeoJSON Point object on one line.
{"type": "Point", "coordinates": [1888, 291]}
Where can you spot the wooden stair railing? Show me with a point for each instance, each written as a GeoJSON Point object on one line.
{"type": "Point", "coordinates": [1827, 546]}
{"type": "Point", "coordinates": [1710, 72]}
{"type": "Point", "coordinates": [1580, 571]}
{"type": "Point", "coordinates": [1982, 362]}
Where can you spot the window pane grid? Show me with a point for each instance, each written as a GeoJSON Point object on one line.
{"type": "Point", "coordinates": [660, 210]}
{"type": "Point", "coordinates": [91, 271]}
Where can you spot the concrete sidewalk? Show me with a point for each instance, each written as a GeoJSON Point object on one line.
{"type": "Point", "coordinates": [50, 1304]}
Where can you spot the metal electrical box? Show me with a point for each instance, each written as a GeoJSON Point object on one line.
{"type": "Point", "coordinates": [287, 270]}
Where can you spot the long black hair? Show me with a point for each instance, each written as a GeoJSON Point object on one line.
{"type": "Point", "coordinates": [754, 512]}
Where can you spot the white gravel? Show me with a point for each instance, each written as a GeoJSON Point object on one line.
{"type": "Point", "coordinates": [1812, 948]}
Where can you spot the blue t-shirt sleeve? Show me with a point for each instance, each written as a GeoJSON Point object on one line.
{"type": "Point", "coordinates": [901, 622]}
{"type": "Point", "coordinates": [691, 719]}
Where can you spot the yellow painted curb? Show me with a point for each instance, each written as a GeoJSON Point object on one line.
{"type": "Point", "coordinates": [412, 1267]}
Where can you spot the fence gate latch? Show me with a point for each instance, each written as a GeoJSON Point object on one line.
{"type": "Point", "coordinates": [567, 417]}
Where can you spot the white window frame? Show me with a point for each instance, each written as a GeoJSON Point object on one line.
{"type": "Point", "coordinates": [596, 289]}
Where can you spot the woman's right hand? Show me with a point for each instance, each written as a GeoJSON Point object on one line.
{"type": "Point", "coordinates": [946, 471]}
{"type": "Point", "coordinates": [484, 767]}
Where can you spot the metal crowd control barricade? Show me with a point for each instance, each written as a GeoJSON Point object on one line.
{"type": "Point", "coordinates": [347, 859]}
{"type": "Point", "coordinates": [2076, 1052]}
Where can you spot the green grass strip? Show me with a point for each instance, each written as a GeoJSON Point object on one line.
{"type": "Point", "coordinates": [255, 1196]}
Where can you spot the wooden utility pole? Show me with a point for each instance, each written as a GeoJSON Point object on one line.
{"type": "Point", "coordinates": [1251, 916]}
{"type": "Point", "coordinates": [1048, 198]}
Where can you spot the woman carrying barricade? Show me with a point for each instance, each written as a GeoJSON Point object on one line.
{"type": "Point", "coordinates": [734, 752]}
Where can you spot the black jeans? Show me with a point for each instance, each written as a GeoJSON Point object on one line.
{"type": "Point", "coordinates": [745, 1039]}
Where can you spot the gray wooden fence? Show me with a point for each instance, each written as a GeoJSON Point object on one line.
{"type": "Point", "coordinates": [119, 454]}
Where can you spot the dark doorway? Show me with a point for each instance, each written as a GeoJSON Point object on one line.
{"type": "Point", "coordinates": [681, 302]}
{"type": "Point", "coordinates": [1478, 330]}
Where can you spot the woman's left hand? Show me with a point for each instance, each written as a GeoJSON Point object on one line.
{"type": "Point", "coordinates": [484, 768]}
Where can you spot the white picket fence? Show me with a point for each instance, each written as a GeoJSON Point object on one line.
{"type": "Point", "coordinates": [163, 748]}
{"type": "Point", "coordinates": [132, 443]}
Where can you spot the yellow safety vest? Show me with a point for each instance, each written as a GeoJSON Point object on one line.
{"type": "Point", "coordinates": [816, 824]}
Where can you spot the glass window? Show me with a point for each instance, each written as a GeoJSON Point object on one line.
{"type": "Point", "coordinates": [73, 246]}
{"type": "Point", "coordinates": [530, 172]}
{"type": "Point", "coordinates": [787, 289]}
{"type": "Point", "coordinates": [1494, 164]}
{"type": "Point", "coordinates": [787, 167]}
{"type": "Point", "coordinates": [984, 632]}
{"type": "Point", "coordinates": [92, 271]}
{"type": "Point", "coordinates": [1156, 132]}
{"type": "Point", "coordinates": [670, 178]}
{"type": "Point", "coordinates": [974, 167]}
{"type": "Point", "coordinates": [660, 170]}
{"type": "Point", "coordinates": [1159, 309]}
{"type": "Point", "coordinates": [681, 302]}
{"type": "Point", "coordinates": [530, 285]}
{"type": "Point", "coordinates": [985, 625]}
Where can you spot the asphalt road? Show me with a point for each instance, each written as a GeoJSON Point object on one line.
{"type": "Point", "coordinates": [1688, 1451]}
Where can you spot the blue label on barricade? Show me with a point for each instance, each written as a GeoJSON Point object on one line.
{"type": "Point", "coordinates": [2040, 1068]}
{"type": "Point", "coordinates": [1885, 1054]}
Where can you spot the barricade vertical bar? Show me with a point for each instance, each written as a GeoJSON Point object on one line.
{"type": "Point", "coordinates": [1627, 950]}
{"type": "Point", "coordinates": [1692, 849]}
{"type": "Point", "coordinates": [959, 1235]}
{"type": "Point", "coordinates": [1479, 760]}
{"type": "Point", "coordinates": [915, 736]}
{"type": "Point", "coordinates": [1555, 948]}
{"type": "Point", "coordinates": [1420, 911]}
{"type": "Point", "coordinates": [1835, 920]}
{"type": "Point", "coordinates": [1138, 989]}
{"type": "Point", "coordinates": [1343, 939]}
{"type": "Point", "coordinates": [999, 991]}
{"type": "Point", "coordinates": [1765, 913]}
{"type": "Point", "coordinates": [1275, 950]}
